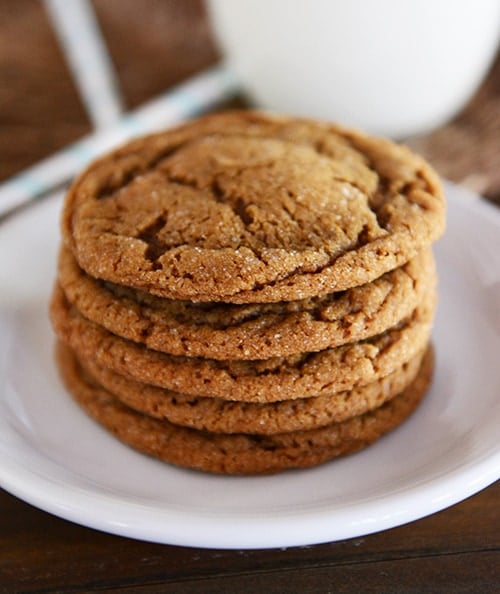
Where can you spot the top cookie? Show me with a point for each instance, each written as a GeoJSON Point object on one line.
{"type": "Point", "coordinates": [245, 207]}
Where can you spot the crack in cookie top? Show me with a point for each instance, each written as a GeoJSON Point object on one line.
{"type": "Point", "coordinates": [244, 207]}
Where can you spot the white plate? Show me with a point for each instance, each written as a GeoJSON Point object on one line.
{"type": "Point", "coordinates": [56, 458]}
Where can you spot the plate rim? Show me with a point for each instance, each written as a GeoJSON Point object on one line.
{"type": "Point", "coordinates": [479, 476]}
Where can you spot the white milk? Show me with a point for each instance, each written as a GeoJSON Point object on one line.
{"type": "Point", "coordinates": [395, 67]}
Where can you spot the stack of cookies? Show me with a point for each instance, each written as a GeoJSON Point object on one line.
{"type": "Point", "coordinates": [249, 293]}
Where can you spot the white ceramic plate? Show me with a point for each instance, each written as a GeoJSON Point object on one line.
{"type": "Point", "coordinates": [56, 458]}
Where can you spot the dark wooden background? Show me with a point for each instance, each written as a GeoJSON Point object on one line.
{"type": "Point", "coordinates": [154, 44]}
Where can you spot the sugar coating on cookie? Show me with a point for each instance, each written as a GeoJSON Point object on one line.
{"type": "Point", "coordinates": [240, 453]}
{"type": "Point", "coordinates": [249, 331]}
{"type": "Point", "coordinates": [269, 380]}
{"type": "Point", "coordinates": [224, 416]}
{"type": "Point", "coordinates": [245, 207]}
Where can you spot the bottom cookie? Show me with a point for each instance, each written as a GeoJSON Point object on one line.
{"type": "Point", "coordinates": [238, 453]}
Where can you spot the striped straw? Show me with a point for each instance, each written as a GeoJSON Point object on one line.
{"type": "Point", "coordinates": [79, 34]}
{"type": "Point", "coordinates": [199, 94]}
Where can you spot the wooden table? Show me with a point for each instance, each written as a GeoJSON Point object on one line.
{"type": "Point", "coordinates": [155, 44]}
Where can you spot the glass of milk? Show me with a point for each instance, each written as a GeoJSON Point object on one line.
{"type": "Point", "coordinates": [393, 67]}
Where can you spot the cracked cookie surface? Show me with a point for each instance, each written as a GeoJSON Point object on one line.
{"type": "Point", "coordinates": [245, 207]}
{"type": "Point", "coordinates": [223, 416]}
{"type": "Point", "coordinates": [269, 380]}
{"type": "Point", "coordinates": [249, 331]}
{"type": "Point", "coordinates": [238, 453]}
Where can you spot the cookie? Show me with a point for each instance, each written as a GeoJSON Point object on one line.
{"type": "Point", "coordinates": [250, 331]}
{"type": "Point", "coordinates": [245, 207]}
{"type": "Point", "coordinates": [238, 453]}
{"type": "Point", "coordinates": [222, 416]}
{"type": "Point", "coordinates": [279, 378]}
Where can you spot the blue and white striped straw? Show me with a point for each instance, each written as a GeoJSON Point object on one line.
{"type": "Point", "coordinates": [199, 94]}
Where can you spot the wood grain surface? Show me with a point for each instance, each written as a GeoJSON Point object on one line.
{"type": "Point", "coordinates": [154, 44]}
